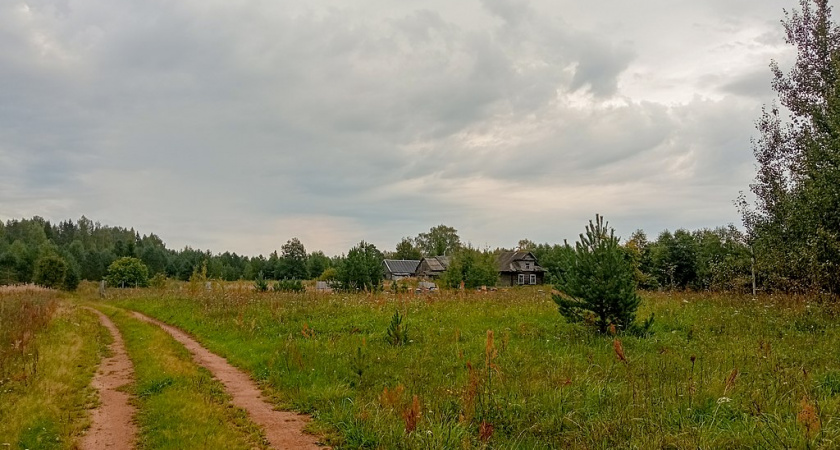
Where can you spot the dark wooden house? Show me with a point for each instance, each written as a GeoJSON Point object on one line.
{"type": "Point", "coordinates": [519, 268]}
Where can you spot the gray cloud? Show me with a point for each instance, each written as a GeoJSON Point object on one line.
{"type": "Point", "coordinates": [236, 126]}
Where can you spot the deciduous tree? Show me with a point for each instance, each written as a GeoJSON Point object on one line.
{"type": "Point", "coordinates": [439, 241]}
{"type": "Point", "coordinates": [794, 226]}
{"type": "Point", "coordinates": [362, 269]}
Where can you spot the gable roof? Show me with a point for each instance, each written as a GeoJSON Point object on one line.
{"type": "Point", "coordinates": [508, 261]}
{"type": "Point", "coordinates": [437, 263]}
{"type": "Point", "coordinates": [401, 266]}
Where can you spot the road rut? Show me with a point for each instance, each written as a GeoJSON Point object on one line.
{"type": "Point", "coordinates": [283, 429]}
{"type": "Point", "coordinates": [112, 425]}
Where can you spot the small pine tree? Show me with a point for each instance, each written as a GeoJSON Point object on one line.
{"type": "Point", "coordinates": [260, 284]}
{"type": "Point", "coordinates": [397, 333]}
{"type": "Point", "coordinates": [598, 280]}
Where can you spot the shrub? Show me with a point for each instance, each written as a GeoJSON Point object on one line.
{"type": "Point", "coordinates": [598, 281]}
{"type": "Point", "coordinates": [289, 286]}
{"type": "Point", "coordinates": [329, 274]}
{"type": "Point", "coordinates": [50, 272]}
{"type": "Point", "coordinates": [158, 281]}
{"type": "Point", "coordinates": [128, 272]}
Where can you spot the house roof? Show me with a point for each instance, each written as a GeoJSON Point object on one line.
{"type": "Point", "coordinates": [510, 261]}
{"type": "Point", "coordinates": [437, 263]}
{"type": "Point", "coordinates": [401, 266]}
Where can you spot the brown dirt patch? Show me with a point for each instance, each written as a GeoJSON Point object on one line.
{"type": "Point", "coordinates": [112, 422]}
{"type": "Point", "coordinates": [283, 429]}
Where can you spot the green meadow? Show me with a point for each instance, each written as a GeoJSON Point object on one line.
{"type": "Point", "coordinates": [504, 370]}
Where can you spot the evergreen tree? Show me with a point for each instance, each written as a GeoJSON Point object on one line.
{"type": "Point", "coordinates": [598, 280]}
{"type": "Point", "coordinates": [293, 260]}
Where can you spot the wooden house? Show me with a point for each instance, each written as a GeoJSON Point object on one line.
{"type": "Point", "coordinates": [397, 269]}
{"type": "Point", "coordinates": [432, 267]}
{"type": "Point", "coordinates": [519, 268]}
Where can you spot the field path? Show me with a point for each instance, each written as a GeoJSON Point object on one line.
{"type": "Point", "coordinates": [111, 423]}
{"type": "Point", "coordinates": [283, 429]}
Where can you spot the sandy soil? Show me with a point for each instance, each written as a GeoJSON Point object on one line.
{"type": "Point", "coordinates": [283, 429]}
{"type": "Point", "coordinates": [112, 426]}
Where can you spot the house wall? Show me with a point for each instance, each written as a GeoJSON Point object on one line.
{"type": "Point", "coordinates": [512, 278]}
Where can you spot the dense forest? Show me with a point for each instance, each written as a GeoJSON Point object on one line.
{"type": "Point", "coordinates": [89, 248]}
{"type": "Point", "coordinates": [705, 259]}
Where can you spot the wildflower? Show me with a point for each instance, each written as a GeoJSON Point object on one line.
{"type": "Point", "coordinates": [723, 400]}
{"type": "Point", "coordinates": [808, 417]}
{"type": "Point", "coordinates": [619, 351]}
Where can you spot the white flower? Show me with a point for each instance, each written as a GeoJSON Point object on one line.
{"type": "Point", "coordinates": [723, 400]}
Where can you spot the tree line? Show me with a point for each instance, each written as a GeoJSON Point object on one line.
{"type": "Point", "coordinates": [716, 259]}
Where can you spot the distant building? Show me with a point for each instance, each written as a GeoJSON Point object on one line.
{"type": "Point", "coordinates": [397, 269]}
{"type": "Point", "coordinates": [518, 268]}
{"type": "Point", "coordinates": [432, 267]}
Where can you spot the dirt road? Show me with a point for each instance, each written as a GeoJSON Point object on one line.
{"type": "Point", "coordinates": [112, 424]}
{"type": "Point", "coordinates": [283, 429]}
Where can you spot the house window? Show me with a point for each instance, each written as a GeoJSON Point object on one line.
{"type": "Point", "coordinates": [521, 278]}
{"type": "Point", "coordinates": [527, 266]}
{"type": "Point", "coordinates": [533, 278]}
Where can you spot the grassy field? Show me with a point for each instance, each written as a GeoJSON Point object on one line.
{"type": "Point", "coordinates": [49, 351]}
{"type": "Point", "coordinates": [503, 370]}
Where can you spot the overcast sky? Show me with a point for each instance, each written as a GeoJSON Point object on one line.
{"type": "Point", "coordinates": [237, 125]}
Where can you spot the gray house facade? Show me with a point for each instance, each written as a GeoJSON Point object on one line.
{"type": "Point", "coordinates": [519, 268]}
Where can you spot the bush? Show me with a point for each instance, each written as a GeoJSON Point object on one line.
{"type": "Point", "coordinates": [598, 282]}
{"type": "Point", "coordinates": [289, 286]}
{"type": "Point", "coordinates": [127, 272]}
{"type": "Point", "coordinates": [158, 281]}
{"type": "Point", "coordinates": [50, 272]}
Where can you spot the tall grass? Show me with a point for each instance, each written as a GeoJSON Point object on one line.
{"type": "Point", "coordinates": [504, 370]}
{"type": "Point", "coordinates": [49, 351]}
{"type": "Point", "coordinates": [23, 314]}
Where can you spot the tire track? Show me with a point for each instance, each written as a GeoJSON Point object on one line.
{"type": "Point", "coordinates": [112, 424]}
{"type": "Point", "coordinates": [283, 429]}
